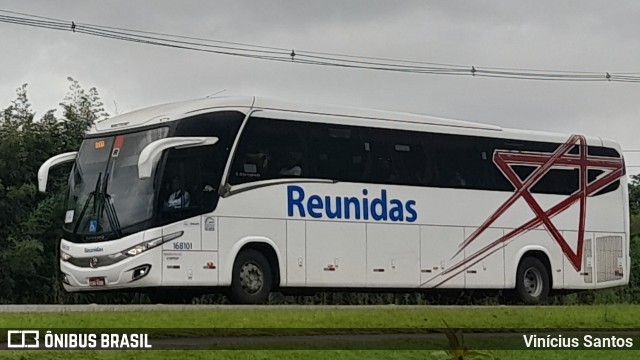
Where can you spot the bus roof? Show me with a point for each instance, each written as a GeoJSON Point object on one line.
{"type": "Point", "coordinates": [177, 110]}
{"type": "Point", "coordinates": [167, 112]}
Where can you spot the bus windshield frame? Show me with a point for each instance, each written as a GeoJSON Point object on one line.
{"type": "Point", "coordinates": [106, 198]}
{"type": "Point", "coordinates": [105, 194]}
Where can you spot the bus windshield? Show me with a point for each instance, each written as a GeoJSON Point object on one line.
{"type": "Point", "coordinates": [105, 193]}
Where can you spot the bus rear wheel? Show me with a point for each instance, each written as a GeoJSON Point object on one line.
{"type": "Point", "coordinates": [532, 281]}
{"type": "Point", "coordinates": [252, 279]}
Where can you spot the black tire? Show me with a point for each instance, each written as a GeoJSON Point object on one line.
{"type": "Point", "coordinates": [252, 279]}
{"type": "Point", "coordinates": [532, 281]}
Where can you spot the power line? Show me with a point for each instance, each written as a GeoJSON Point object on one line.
{"type": "Point", "coordinates": [30, 15]}
{"type": "Point", "coordinates": [137, 38]}
{"type": "Point", "coordinates": [306, 57]}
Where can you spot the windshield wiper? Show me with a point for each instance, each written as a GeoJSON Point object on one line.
{"type": "Point", "coordinates": [101, 202]}
{"type": "Point", "coordinates": [92, 195]}
{"type": "Point", "coordinates": [110, 210]}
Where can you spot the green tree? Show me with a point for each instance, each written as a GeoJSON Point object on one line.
{"type": "Point", "coordinates": [30, 222]}
{"type": "Point", "coordinates": [634, 205]}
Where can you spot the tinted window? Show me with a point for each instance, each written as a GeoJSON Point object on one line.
{"type": "Point", "coordinates": [339, 152]}
{"type": "Point", "coordinates": [191, 179]}
{"type": "Point", "coordinates": [270, 149]}
{"type": "Point", "coordinates": [556, 181]}
{"type": "Point", "coordinates": [461, 162]}
{"type": "Point", "coordinates": [192, 175]}
{"type": "Point", "coordinates": [603, 151]}
{"type": "Point", "coordinates": [396, 157]}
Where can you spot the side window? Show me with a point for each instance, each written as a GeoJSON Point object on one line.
{"type": "Point", "coordinates": [270, 149]}
{"type": "Point", "coordinates": [273, 149]}
{"type": "Point", "coordinates": [396, 157]}
{"type": "Point", "coordinates": [558, 181]}
{"type": "Point", "coordinates": [191, 179]}
{"type": "Point", "coordinates": [460, 162]}
{"type": "Point", "coordinates": [338, 152]}
{"type": "Point", "coordinates": [593, 174]}
{"type": "Point", "coordinates": [192, 176]}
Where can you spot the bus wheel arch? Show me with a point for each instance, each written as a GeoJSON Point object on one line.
{"type": "Point", "coordinates": [255, 273]}
{"type": "Point", "coordinates": [534, 279]}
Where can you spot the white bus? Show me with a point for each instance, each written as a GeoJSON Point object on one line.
{"type": "Point", "coordinates": [252, 195]}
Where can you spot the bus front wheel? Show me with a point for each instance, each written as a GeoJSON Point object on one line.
{"type": "Point", "coordinates": [252, 278]}
{"type": "Point", "coordinates": [532, 281]}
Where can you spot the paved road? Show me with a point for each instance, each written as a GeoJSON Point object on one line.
{"type": "Point", "coordinates": [163, 307]}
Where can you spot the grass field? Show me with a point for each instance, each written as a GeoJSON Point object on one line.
{"type": "Point", "coordinates": [603, 316]}
{"type": "Point", "coordinates": [310, 354]}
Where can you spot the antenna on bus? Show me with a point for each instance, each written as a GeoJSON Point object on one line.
{"type": "Point", "coordinates": [214, 94]}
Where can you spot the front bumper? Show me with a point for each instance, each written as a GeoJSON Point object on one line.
{"type": "Point", "coordinates": [116, 276]}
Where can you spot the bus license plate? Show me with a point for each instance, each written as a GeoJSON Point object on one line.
{"type": "Point", "coordinates": [96, 281]}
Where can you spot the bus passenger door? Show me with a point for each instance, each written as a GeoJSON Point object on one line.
{"type": "Point", "coordinates": [187, 193]}
{"type": "Point", "coordinates": [184, 260]}
{"type": "Point", "coordinates": [177, 254]}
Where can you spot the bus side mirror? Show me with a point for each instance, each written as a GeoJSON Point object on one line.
{"type": "Point", "coordinates": [43, 172]}
{"type": "Point", "coordinates": [150, 155]}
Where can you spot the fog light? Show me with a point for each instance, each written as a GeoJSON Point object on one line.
{"type": "Point", "coordinates": [65, 279]}
{"type": "Point", "coordinates": [140, 272]}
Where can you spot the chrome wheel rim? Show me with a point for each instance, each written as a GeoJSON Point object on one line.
{"type": "Point", "coordinates": [251, 278]}
{"type": "Point", "coordinates": [533, 282]}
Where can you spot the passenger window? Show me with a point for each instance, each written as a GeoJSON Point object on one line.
{"type": "Point", "coordinates": [270, 149]}
{"type": "Point", "coordinates": [190, 183]}
{"type": "Point", "coordinates": [461, 161]}
{"type": "Point", "coordinates": [594, 174]}
{"type": "Point", "coordinates": [558, 181]}
{"type": "Point", "coordinates": [397, 157]}
{"type": "Point", "coordinates": [338, 152]}
{"type": "Point", "coordinates": [604, 152]}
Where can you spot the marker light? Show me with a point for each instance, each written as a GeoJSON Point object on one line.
{"type": "Point", "coordinates": [142, 247]}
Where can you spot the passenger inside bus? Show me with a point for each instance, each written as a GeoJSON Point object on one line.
{"type": "Point", "coordinates": [179, 198]}
{"type": "Point", "coordinates": [387, 170]}
{"type": "Point", "coordinates": [255, 164]}
{"type": "Point", "coordinates": [291, 166]}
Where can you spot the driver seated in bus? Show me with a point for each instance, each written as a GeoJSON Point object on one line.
{"type": "Point", "coordinates": [179, 197]}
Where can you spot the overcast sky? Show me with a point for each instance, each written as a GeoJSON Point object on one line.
{"type": "Point", "coordinates": [561, 35]}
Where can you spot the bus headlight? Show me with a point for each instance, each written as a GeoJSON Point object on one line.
{"type": "Point", "coordinates": [136, 250]}
{"type": "Point", "coordinates": [64, 256]}
{"type": "Point", "coordinates": [142, 247]}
